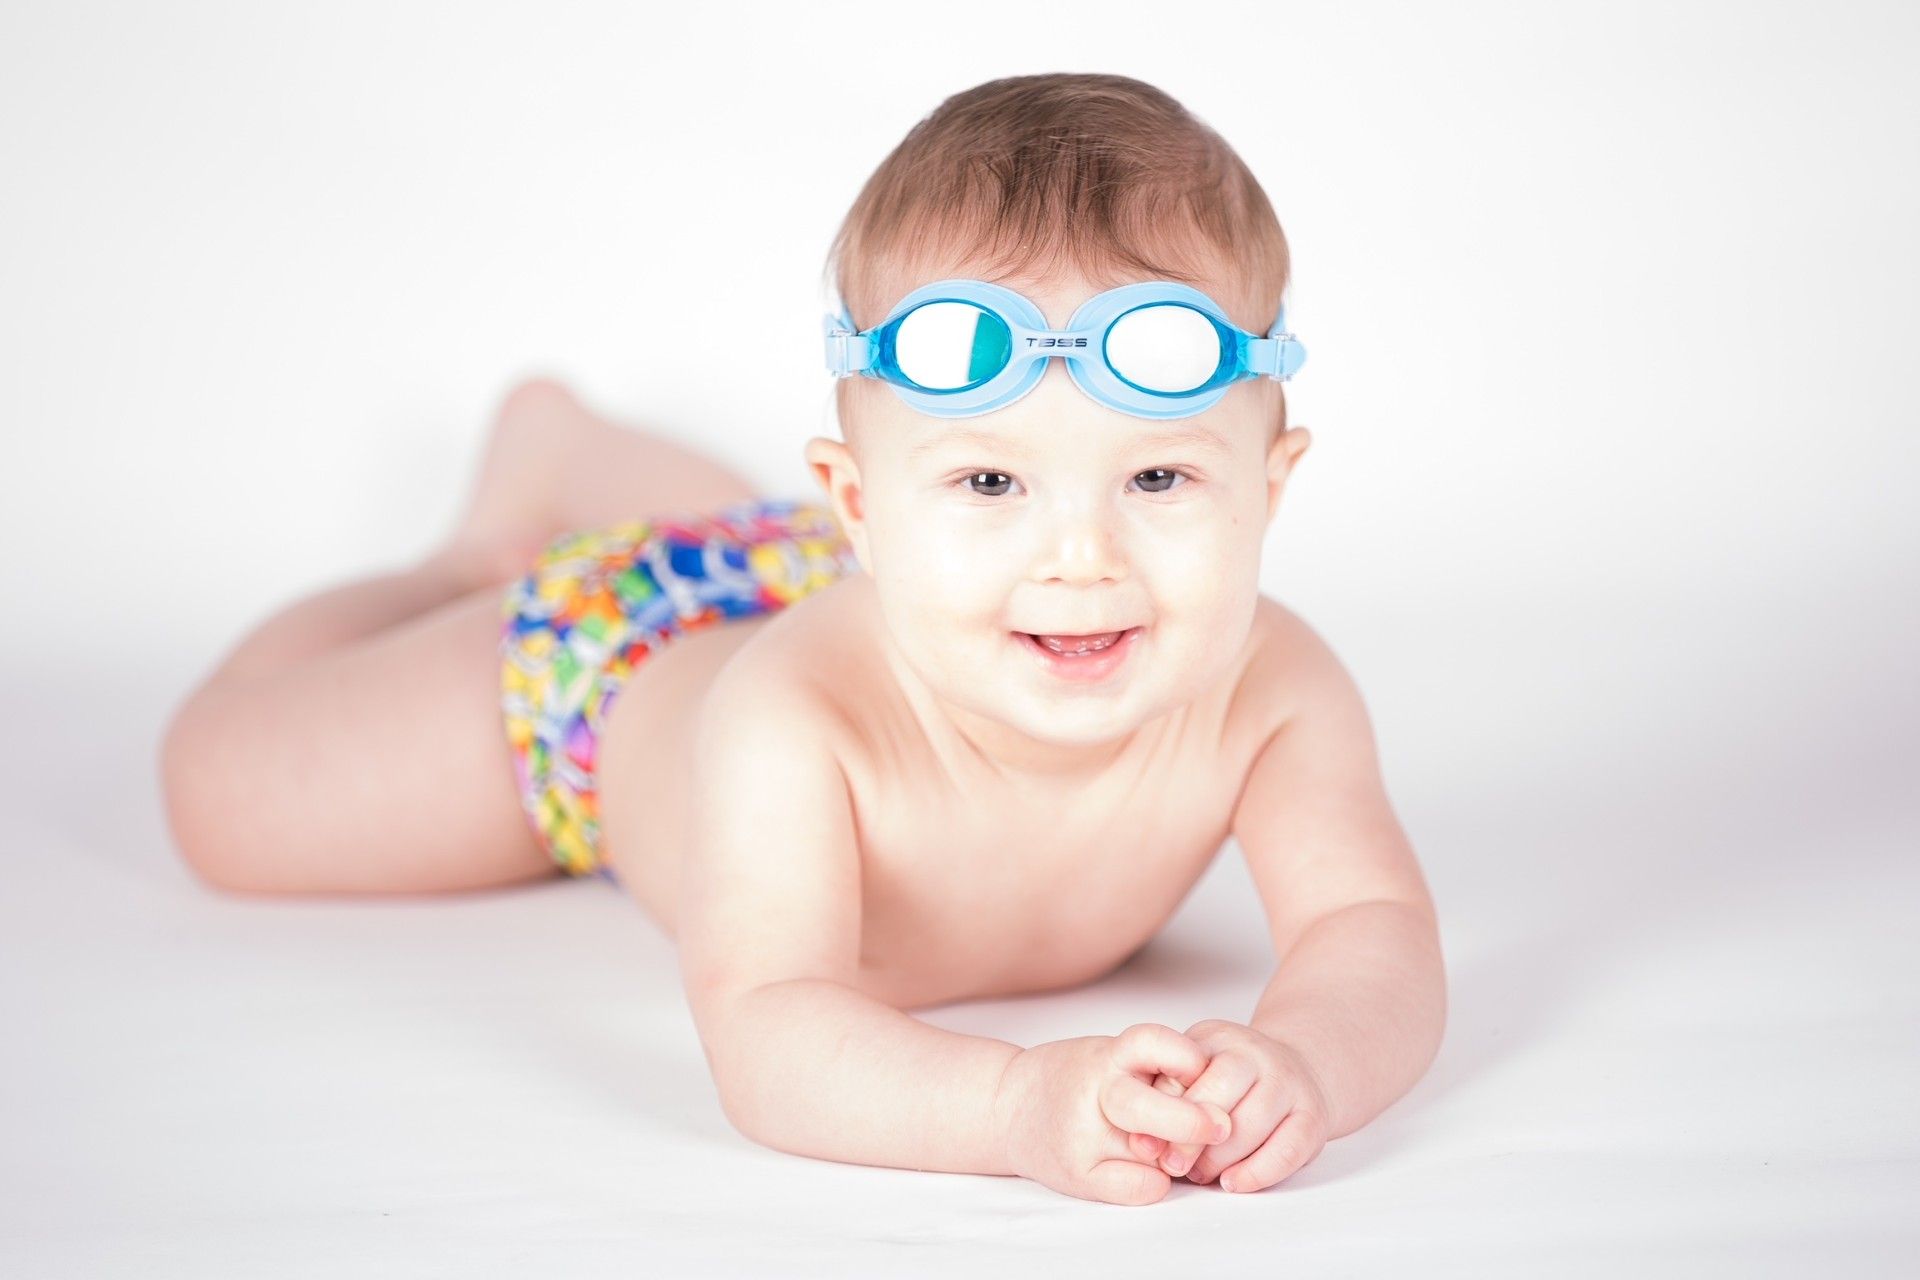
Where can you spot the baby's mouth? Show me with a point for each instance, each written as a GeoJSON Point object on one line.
{"type": "Point", "coordinates": [1084, 658]}
{"type": "Point", "coordinates": [1074, 646]}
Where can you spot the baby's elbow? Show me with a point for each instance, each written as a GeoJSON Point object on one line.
{"type": "Point", "coordinates": [710, 1025]}
{"type": "Point", "coordinates": [741, 1117]}
{"type": "Point", "coordinates": [743, 1109]}
{"type": "Point", "coordinates": [748, 1091]}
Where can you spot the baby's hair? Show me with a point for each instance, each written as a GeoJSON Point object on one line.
{"type": "Point", "coordinates": [1021, 177]}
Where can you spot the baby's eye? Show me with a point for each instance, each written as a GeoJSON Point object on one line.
{"type": "Point", "coordinates": [997, 481]}
{"type": "Point", "coordinates": [1162, 481]}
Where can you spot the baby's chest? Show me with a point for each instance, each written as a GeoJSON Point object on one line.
{"type": "Point", "coordinates": [978, 900]}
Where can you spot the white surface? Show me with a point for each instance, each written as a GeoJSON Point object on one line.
{"type": "Point", "coordinates": [1682, 1040]}
{"type": "Point", "coordinates": [1609, 510]}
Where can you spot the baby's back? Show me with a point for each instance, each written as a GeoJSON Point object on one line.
{"type": "Point", "coordinates": [970, 881]}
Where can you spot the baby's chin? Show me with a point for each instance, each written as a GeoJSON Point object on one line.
{"type": "Point", "coordinates": [1070, 727]}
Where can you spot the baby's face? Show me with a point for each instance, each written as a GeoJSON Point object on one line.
{"type": "Point", "coordinates": [1057, 516]}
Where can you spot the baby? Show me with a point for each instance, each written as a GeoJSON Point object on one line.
{"type": "Point", "coordinates": [971, 725]}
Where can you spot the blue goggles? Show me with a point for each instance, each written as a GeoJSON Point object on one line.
{"type": "Point", "coordinates": [1156, 349]}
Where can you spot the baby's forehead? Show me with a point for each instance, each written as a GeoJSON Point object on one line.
{"type": "Point", "coordinates": [933, 436]}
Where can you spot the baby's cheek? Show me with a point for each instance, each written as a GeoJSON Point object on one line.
{"type": "Point", "coordinates": [943, 601]}
{"type": "Point", "coordinates": [1206, 586]}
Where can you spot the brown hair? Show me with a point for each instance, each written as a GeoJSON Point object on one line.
{"type": "Point", "coordinates": [1102, 174]}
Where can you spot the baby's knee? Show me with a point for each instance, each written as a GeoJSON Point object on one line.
{"type": "Point", "coordinates": [195, 771]}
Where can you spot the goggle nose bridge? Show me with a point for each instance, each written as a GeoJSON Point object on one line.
{"type": "Point", "coordinates": [1037, 344]}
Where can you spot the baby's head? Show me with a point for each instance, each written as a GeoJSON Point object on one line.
{"type": "Point", "coordinates": [1055, 513]}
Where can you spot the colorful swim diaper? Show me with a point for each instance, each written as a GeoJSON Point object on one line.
{"type": "Point", "coordinates": [597, 601]}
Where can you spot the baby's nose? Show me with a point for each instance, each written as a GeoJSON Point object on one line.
{"type": "Point", "coordinates": [1081, 548]}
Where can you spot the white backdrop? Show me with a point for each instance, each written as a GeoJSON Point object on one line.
{"type": "Point", "coordinates": [1612, 321]}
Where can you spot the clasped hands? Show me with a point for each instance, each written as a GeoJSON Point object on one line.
{"type": "Point", "coordinates": [1275, 1104]}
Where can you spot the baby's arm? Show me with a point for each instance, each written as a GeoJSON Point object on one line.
{"type": "Point", "coordinates": [1354, 1012]}
{"type": "Point", "coordinates": [769, 941]}
{"type": "Point", "coordinates": [1360, 990]}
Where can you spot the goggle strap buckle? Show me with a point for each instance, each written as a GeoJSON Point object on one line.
{"type": "Point", "coordinates": [848, 352]}
{"type": "Point", "coordinates": [1278, 356]}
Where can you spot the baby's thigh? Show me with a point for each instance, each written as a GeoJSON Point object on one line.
{"type": "Point", "coordinates": [380, 767]}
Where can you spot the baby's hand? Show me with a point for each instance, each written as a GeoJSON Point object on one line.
{"type": "Point", "coordinates": [1278, 1105]}
{"type": "Point", "coordinates": [1069, 1107]}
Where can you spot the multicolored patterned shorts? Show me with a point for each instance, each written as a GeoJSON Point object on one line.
{"type": "Point", "coordinates": [597, 601]}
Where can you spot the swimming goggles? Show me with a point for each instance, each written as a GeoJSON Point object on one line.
{"type": "Point", "coordinates": [1156, 349]}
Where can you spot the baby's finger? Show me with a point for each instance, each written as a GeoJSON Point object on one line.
{"type": "Point", "coordinates": [1151, 1050]}
{"type": "Point", "coordinates": [1129, 1103]}
{"type": "Point", "coordinates": [1289, 1147]}
{"type": "Point", "coordinates": [1226, 1083]}
{"type": "Point", "coordinates": [1167, 1084]}
{"type": "Point", "coordinates": [1149, 1047]}
{"type": "Point", "coordinates": [1179, 1157]}
{"type": "Point", "coordinates": [1145, 1146]}
{"type": "Point", "coordinates": [1124, 1182]}
{"type": "Point", "coordinates": [1255, 1117]}
{"type": "Point", "coordinates": [1174, 1158]}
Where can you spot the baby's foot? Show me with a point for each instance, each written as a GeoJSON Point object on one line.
{"type": "Point", "coordinates": [513, 509]}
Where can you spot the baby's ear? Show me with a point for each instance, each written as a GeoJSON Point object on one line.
{"type": "Point", "coordinates": [833, 465]}
{"type": "Point", "coordinates": [1282, 457]}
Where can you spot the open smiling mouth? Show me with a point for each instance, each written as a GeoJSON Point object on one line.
{"type": "Point", "coordinates": [1081, 657]}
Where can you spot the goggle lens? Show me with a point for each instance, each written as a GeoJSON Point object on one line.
{"type": "Point", "coordinates": [950, 346]}
{"type": "Point", "coordinates": [1165, 347]}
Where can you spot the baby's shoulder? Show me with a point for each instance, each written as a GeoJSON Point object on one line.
{"type": "Point", "coordinates": [805, 668]}
{"type": "Point", "coordinates": [1289, 665]}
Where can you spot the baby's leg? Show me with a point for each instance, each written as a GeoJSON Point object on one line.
{"type": "Point", "coordinates": [380, 766]}
{"type": "Point", "coordinates": [552, 466]}
{"type": "Point", "coordinates": [354, 741]}
{"type": "Point", "coordinates": [336, 616]}
{"type": "Point", "coordinates": [549, 466]}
